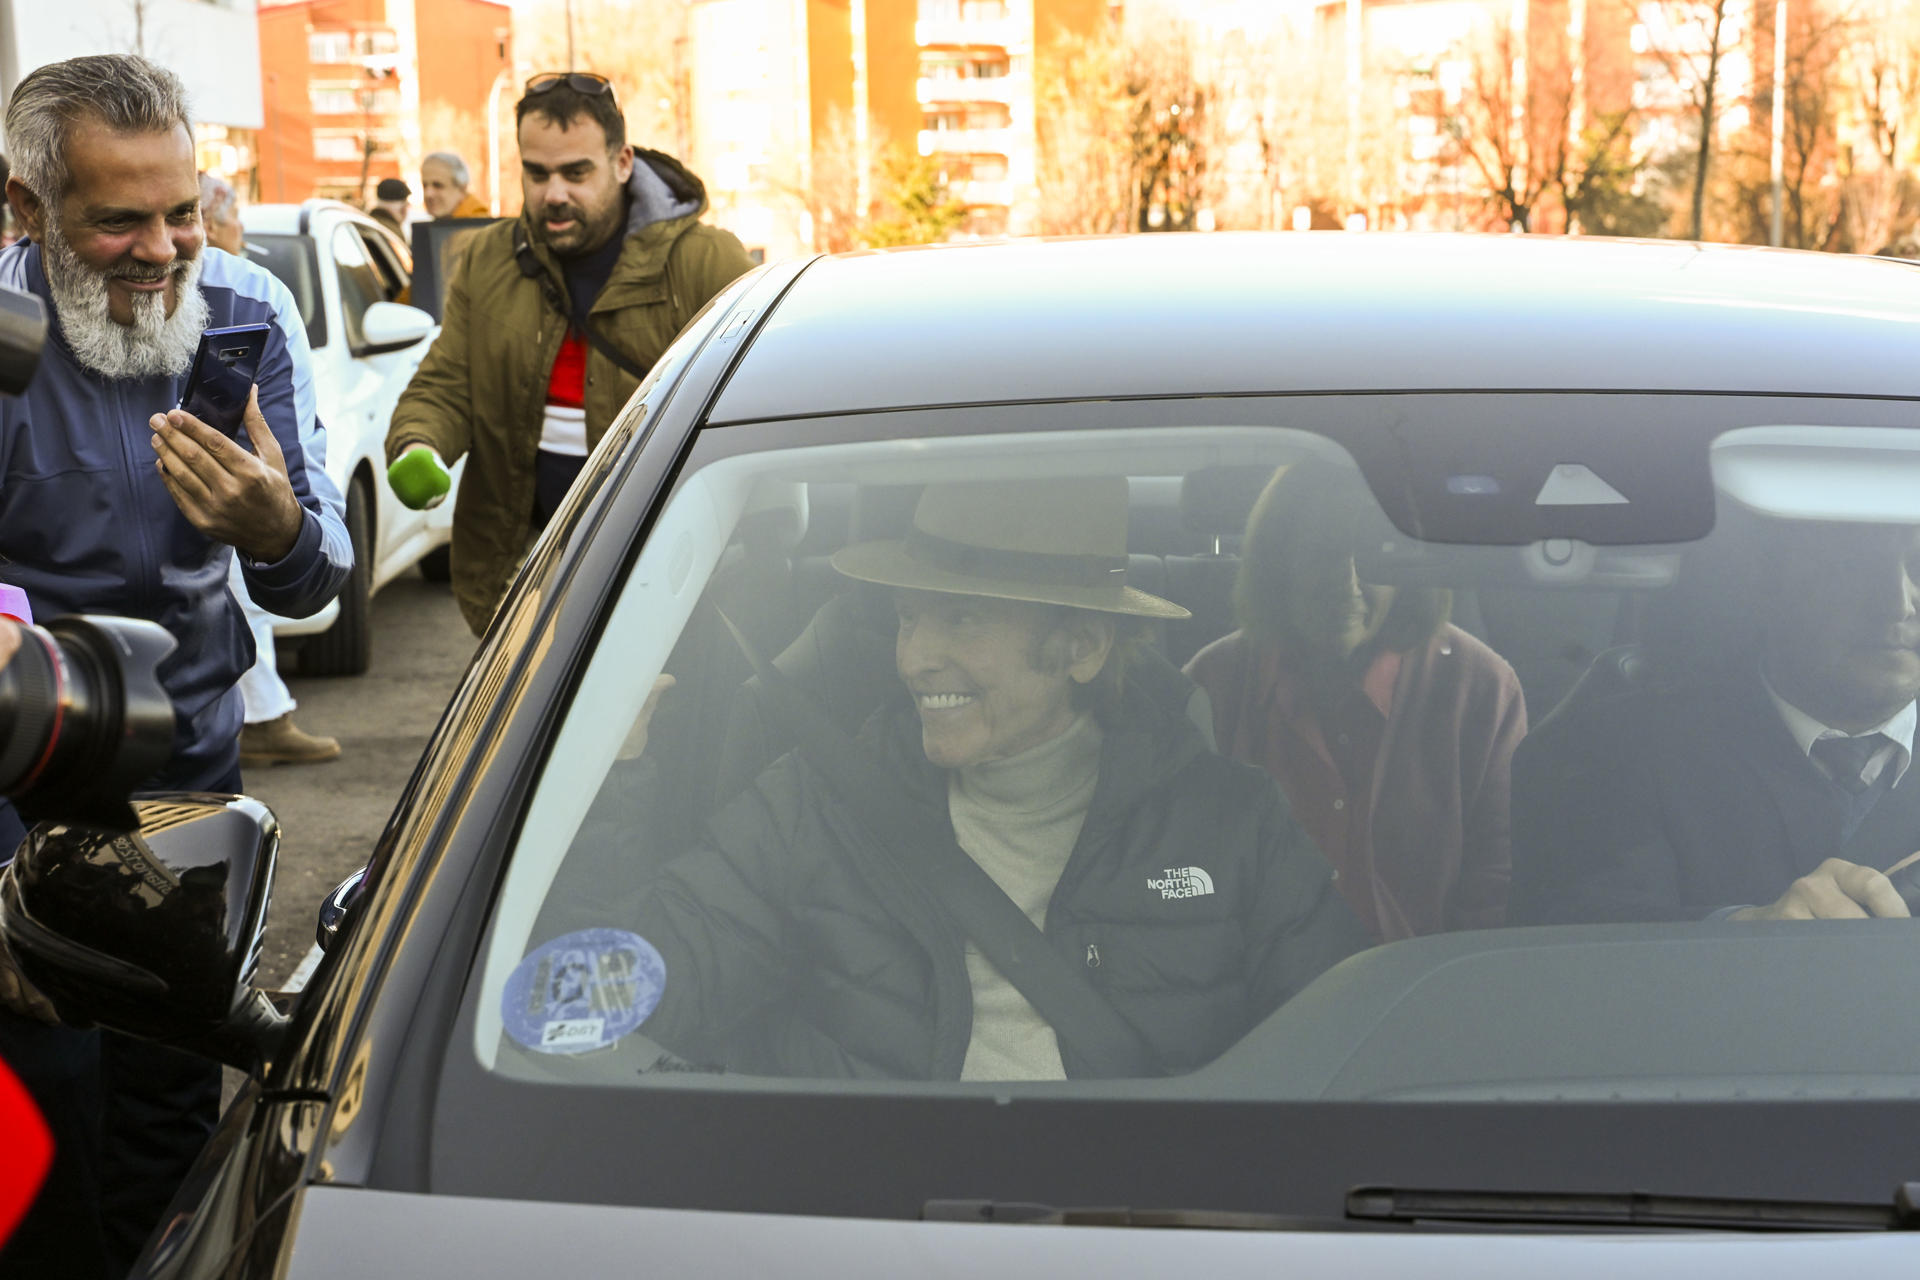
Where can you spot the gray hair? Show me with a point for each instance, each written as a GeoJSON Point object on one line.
{"type": "Point", "coordinates": [455, 165]}
{"type": "Point", "coordinates": [217, 199]}
{"type": "Point", "coordinates": [121, 90]}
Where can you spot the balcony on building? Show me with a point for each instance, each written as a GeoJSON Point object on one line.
{"type": "Point", "coordinates": [1004, 89]}
{"type": "Point", "coordinates": [997, 142]}
{"type": "Point", "coordinates": [950, 129]}
{"type": "Point", "coordinates": [978, 193]}
{"type": "Point", "coordinates": [349, 98]}
{"type": "Point", "coordinates": [376, 49]}
{"type": "Point", "coordinates": [965, 22]}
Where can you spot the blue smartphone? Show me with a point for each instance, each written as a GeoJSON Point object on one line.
{"type": "Point", "coordinates": [224, 370]}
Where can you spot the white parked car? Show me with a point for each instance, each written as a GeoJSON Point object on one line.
{"type": "Point", "coordinates": [350, 277]}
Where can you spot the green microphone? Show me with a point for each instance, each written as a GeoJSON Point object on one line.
{"type": "Point", "coordinates": [419, 478]}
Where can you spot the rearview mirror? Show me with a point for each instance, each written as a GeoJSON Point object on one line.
{"type": "Point", "coordinates": [157, 933]}
{"type": "Point", "coordinates": [390, 326]}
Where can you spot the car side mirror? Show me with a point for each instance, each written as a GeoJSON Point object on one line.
{"type": "Point", "coordinates": [156, 933]}
{"type": "Point", "coordinates": [392, 326]}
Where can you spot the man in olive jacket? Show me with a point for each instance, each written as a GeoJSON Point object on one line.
{"type": "Point", "coordinates": [552, 321]}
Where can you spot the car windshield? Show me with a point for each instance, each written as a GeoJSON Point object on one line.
{"type": "Point", "coordinates": [1124, 750]}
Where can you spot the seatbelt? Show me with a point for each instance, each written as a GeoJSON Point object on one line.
{"type": "Point", "coordinates": [1058, 989]}
{"type": "Point", "coordinates": [529, 264]}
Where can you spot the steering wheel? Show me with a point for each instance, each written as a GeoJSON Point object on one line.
{"type": "Point", "coordinates": [1907, 881]}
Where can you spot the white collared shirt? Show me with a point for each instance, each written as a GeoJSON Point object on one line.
{"type": "Point", "coordinates": [1899, 729]}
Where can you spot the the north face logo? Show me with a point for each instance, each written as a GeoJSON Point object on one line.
{"type": "Point", "coordinates": [1181, 882]}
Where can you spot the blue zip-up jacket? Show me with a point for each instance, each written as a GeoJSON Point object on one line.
{"type": "Point", "coordinates": [87, 525]}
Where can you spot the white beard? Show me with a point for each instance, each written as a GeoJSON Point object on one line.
{"type": "Point", "coordinates": [154, 344]}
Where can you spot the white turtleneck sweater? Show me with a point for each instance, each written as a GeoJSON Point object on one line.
{"type": "Point", "coordinates": [1019, 818]}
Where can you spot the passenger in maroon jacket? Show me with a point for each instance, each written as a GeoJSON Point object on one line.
{"type": "Point", "coordinates": [1390, 730]}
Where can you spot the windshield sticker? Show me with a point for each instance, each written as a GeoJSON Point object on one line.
{"type": "Point", "coordinates": [582, 991]}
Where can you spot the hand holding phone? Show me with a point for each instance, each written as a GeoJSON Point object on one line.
{"type": "Point", "coordinates": [233, 490]}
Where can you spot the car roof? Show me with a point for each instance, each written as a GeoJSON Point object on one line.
{"type": "Point", "coordinates": [292, 219]}
{"type": "Point", "coordinates": [1285, 312]}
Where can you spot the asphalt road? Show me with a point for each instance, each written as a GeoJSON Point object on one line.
{"type": "Point", "coordinates": [331, 814]}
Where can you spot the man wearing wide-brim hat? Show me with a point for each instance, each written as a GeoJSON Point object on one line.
{"type": "Point", "coordinates": [1040, 733]}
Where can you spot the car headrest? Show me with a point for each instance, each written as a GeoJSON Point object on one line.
{"type": "Point", "coordinates": [881, 511]}
{"type": "Point", "coordinates": [775, 515]}
{"type": "Point", "coordinates": [1216, 501]}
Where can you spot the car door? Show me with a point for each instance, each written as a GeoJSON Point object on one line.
{"type": "Point", "coordinates": [370, 270]}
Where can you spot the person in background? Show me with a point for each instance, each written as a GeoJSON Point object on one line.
{"type": "Point", "coordinates": [575, 299]}
{"type": "Point", "coordinates": [1391, 730]}
{"type": "Point", "coordinates": [220, 215]}
{"type": "Point", "coordinates": [268, 735]}
{"type": "Point", "coordinates": [443, 188]}
{"type": "Point", "coordinates": [390, 205]}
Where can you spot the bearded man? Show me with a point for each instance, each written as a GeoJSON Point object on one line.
{"type": "Point", "coordinates": [114, 501]}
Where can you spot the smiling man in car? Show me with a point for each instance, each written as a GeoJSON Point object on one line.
{"type": "Point", "coordinates": [1780, 790]}
{"type": "Point", "coordinates": [550, 324]}
{"type": "Point", "coordinates": [1039, 741]}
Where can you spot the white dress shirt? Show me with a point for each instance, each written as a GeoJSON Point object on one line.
{"type": "Point", "coordinates": [1898, 729]}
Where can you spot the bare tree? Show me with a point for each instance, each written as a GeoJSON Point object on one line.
{"type": "Point", "coordinates": [1168, 121]}
{"type": "Point", "coordinates": [1885, 58]}
{"type": "Point", "coordinates": [1832, 195]}
{"type": "Point", "coordinates": [1691, 39]}
{"type": "Point", "coordinates": [831, 192]}
{"type": "Point", "coordinates": [1605, 185]}
{"type": "Point", "coordinates": [1083, 170]}
{"type": "Point", "coordinates": [1256, 129]}
{"type": "Point", "coordinates": [1513, 134]}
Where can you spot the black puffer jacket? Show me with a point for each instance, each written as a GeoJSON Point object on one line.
{"type": "Point", "coordinates": [792, 948]}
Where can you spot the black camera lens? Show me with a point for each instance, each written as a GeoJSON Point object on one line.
{"type": "Point", "coordinates": [23, 332]}
{"type": "Point", "coordinates": [84, 719]}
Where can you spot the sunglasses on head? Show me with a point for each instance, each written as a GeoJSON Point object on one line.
{"type": "Point", "coordinates": [578, 81]}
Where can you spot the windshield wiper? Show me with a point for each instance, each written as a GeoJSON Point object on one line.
{"type": "Point", "coordinates": [1634, 1209]}
{"type": "Point", "coordinates": [1370, 1207]}
{"type": "Point", "coordinates": [1031, 1213]}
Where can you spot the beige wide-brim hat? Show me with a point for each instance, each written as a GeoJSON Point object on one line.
{"type": "Point", "coordinates": [1044, 541]}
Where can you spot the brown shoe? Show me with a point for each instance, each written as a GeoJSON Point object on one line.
{"type": "Point", "coordinates": [282, 742]}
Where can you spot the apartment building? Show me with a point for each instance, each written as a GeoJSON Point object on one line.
{"type": "Point", "coordinates": [796, 104]}
{"type": "Point", "coordinates": [213, 45]}
{"type": "Point", "coordinates": [977, 89]}
{"type": "Point", "coordinates": [354, 95]}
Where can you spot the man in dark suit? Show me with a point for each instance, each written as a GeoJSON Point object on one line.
{"type": "Point", "coordinates": [1781, 790]}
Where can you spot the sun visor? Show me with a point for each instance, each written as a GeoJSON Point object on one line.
{"type": "Point", "coordinates": [1861, 475]}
